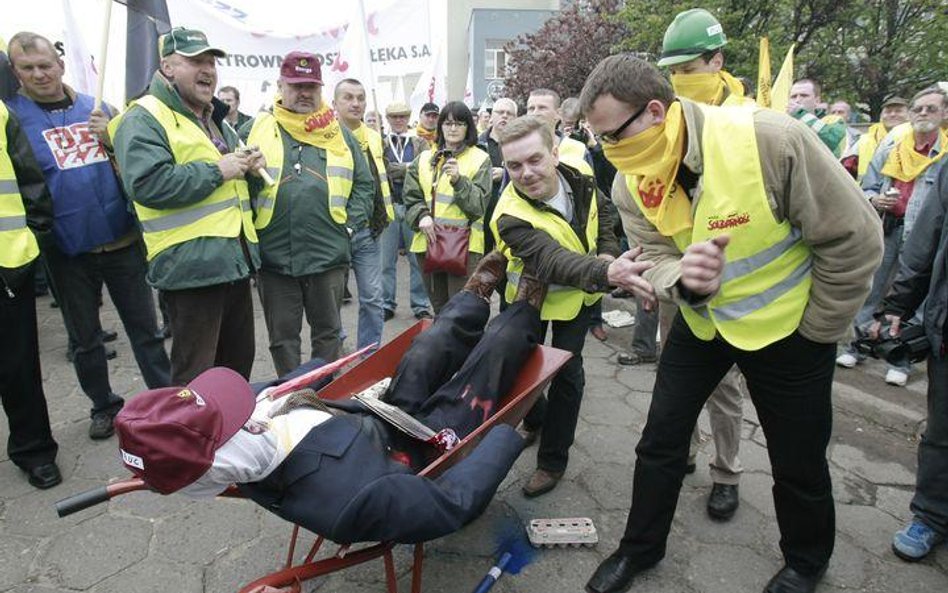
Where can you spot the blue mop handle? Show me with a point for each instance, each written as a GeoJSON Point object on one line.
{"type": "Point", "coordinates": [493, 574]}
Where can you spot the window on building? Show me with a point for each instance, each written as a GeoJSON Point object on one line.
{"type": "Point", "coordinates": [495, 59]}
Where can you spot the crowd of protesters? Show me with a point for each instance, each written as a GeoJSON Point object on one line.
{"type": "Point", "coordinates": [628, 188]}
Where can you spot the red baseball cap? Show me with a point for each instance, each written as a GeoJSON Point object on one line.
{"type": "Point", "coordinates": [168, 436]}
{"type": "Point", "coordinates": [300, 66]}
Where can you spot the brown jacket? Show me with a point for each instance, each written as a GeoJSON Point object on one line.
{"type": "Point", "coordinates": [805, 185]}
{"type": "Point", "coordinates": [549, 261]}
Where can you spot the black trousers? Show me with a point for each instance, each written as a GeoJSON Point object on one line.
{"type": "Point", "coordinates": [558, 412]}
{"type": "Point", "coordinates": [210, 326]}
{"type": "Point", "coordinates": [790, 383]}
{"type": "Point", "coordinates": [21, 385]}
{"type": "Point", "coordinates": [455, 372]}
{"type": "Point", "coordinates": [78, 285]}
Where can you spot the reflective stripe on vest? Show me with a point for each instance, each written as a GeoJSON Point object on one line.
{"type": "Point", "coordinates": [766, 281]}
{"type": "Point", "coordinates": [446, 211]}
{"type": "Point", "coordinates": [573, 153]}
{"type": "Point", "coordinates": [265, 133]}
{"type": "Point", "coordinates": [562, 303]}
{"type": "Point", "coordinates": [226, 212]}
{"type": "Point", "coordinates": [18, 245]}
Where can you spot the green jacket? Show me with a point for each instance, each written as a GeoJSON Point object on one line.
{"type": "Point", "coordinates": [302, 238]}
{"type": "Point", "coordinates": [152, 178]}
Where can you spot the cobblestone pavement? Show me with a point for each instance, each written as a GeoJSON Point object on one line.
{"type": "Point", "coordinates": [145, 543]}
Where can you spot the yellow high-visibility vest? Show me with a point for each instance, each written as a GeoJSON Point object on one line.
{"type": "Point", "coordinates": [224, 213]}
{"type": "Point", "coordinates": [265, 133]}
{"type": "Point", "coordinates": [562, 303]}
{"type": "Point", "coordinates": [446, 211]}
{"type": "Point", "coordinates": [766, 281]}
{"type": "Point", "coordinates": [573, 153]}
{"type": "Point", "coordinates": [373, 150]}
{"type": "Point", "coordinates": [18, 246]}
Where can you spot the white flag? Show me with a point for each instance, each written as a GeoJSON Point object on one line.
{"type": "Point", "coordinates": [80, 69]}
{"type": "Point", "coordinates": [431, 87]}
{"type": "Point", "coordinates": [353, 60]}
{"type": "Point", "coordinates": [469, 85]}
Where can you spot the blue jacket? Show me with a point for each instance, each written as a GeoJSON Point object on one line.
{"type": "Point", "coordinates": [89, 208]}
{"type": "Point", "coordinates": [339, 482]}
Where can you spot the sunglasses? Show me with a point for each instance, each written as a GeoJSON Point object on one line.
{"type": "Point", "coordinates": [613, 136]}
{"type": "Point", "coordinates": [926, 109]}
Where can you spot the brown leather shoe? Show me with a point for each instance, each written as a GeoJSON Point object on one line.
{"type": "Point", "coordinates": [541, 482]}
{"type": "Point", "coordinates": [487, 274]}
{"type": "Point", "coordinates": [531, 290]}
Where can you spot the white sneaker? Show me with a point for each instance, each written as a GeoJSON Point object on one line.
{"type": "Point", "coordinates": [847, 360]}
{"type": "Point", "coordinates": [896, 377]}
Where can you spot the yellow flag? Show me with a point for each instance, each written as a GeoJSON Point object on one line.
{"type": "Point", "coordinates": [763, 73]}
{"type": "Point", "coordinates": [780, 94]}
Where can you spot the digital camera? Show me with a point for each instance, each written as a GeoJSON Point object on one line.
{"type": "Point", "coordinates": [911, 345]}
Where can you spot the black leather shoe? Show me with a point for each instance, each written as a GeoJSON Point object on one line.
{"type": "Point", "coordinates": [614, 575]}
{"type": "Point", "coordinates": [387, 314]}
{"type": "Point", "coordinates": [109, 336]}
{"type": "Point", "coordinates": [723, 501]}
{"type": "Point", "coordinates": [44, 476]}
{"type": "Point", "coordinates": [789, 580]}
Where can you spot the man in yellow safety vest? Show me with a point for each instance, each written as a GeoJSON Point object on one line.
{"type": "Point", "coordinates": [768, 265]}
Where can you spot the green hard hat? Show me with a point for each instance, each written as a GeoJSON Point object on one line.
{"type": "Point", "coordinates": [692, 33]}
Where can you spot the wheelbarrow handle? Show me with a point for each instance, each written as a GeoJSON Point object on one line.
{"type": "Point", "coordinates": [81, 501]}
{"type": "Point", "coordinates": [89, 498]}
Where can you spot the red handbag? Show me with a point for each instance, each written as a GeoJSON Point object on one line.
{"type": "Point", "coordinates": [448, 252]}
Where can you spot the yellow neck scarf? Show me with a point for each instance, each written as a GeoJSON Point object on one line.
{"type": "Point", "coordinates": [653, 156]}
{"type": "Point", "coordinates": [429, 135]}
{"type": "Point", "coordinates": [905, 163]}
{"type": "Point", "coordinates": [711, 88]}
{"type": "Point", "coordinates": [318, 128]}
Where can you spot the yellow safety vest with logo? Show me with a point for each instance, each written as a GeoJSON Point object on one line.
{"type": "Point", "coordinates": [562, 303]}
{"type": "Point", "coordinates": [573, 153]}
{"type": "Point", "coordinates": [446, 212]}
{"type": "Point", "coordinates": [766, 281]}
{"type": "Point", "coordinates": [376, 152]}
{"type": "Point", "coordinates": [224, 213]}
{"type": "Point", "coordinates": [265, 133]}
{"type": "Point", "coordinates": [18, 246]}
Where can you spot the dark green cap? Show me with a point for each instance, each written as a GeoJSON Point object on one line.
{"type": "Point", "coordinates": [187, 42]}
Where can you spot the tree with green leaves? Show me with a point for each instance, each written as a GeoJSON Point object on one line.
{"type": "Point", "coordinates": [863, 51]}
{"type": "Point", "coordinates": [562, 53]}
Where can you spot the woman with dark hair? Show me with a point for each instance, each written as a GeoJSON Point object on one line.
{"type": "Point", "coordinates": [448, 186]}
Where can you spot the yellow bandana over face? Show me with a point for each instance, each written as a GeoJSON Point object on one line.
{"type": "Point", "coordinates": [653, 156]}
{"type": "Point", "coordinates": [711, 88]}
{"type": "Point", "coordinates": [905, 163]}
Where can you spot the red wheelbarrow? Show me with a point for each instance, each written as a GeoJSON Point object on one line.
{"type": "Point", "coordinates": [533, 378]}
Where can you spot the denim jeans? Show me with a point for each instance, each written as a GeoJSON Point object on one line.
{"type": "Point", "coordinates": [930, 503]}
{"type": "Point", "coordinates": [396, 232]}
{"type": "Point", "coordinates": [78, 282]}
{"type": "Point", "coordinates": [367, 266]}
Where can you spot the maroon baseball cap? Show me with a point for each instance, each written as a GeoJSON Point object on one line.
{"type": "Point", "coordinates": [168, 436]}
{"type": "Point", "coordinates": [300, 66]}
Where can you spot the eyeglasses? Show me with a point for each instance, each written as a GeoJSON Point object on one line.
{"type": "Point", "coordinates": [454, 124]}
{"type": "Point", "coordinates": [926, 109]}
{"type": "Point", "coordinates": [613, 136]}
